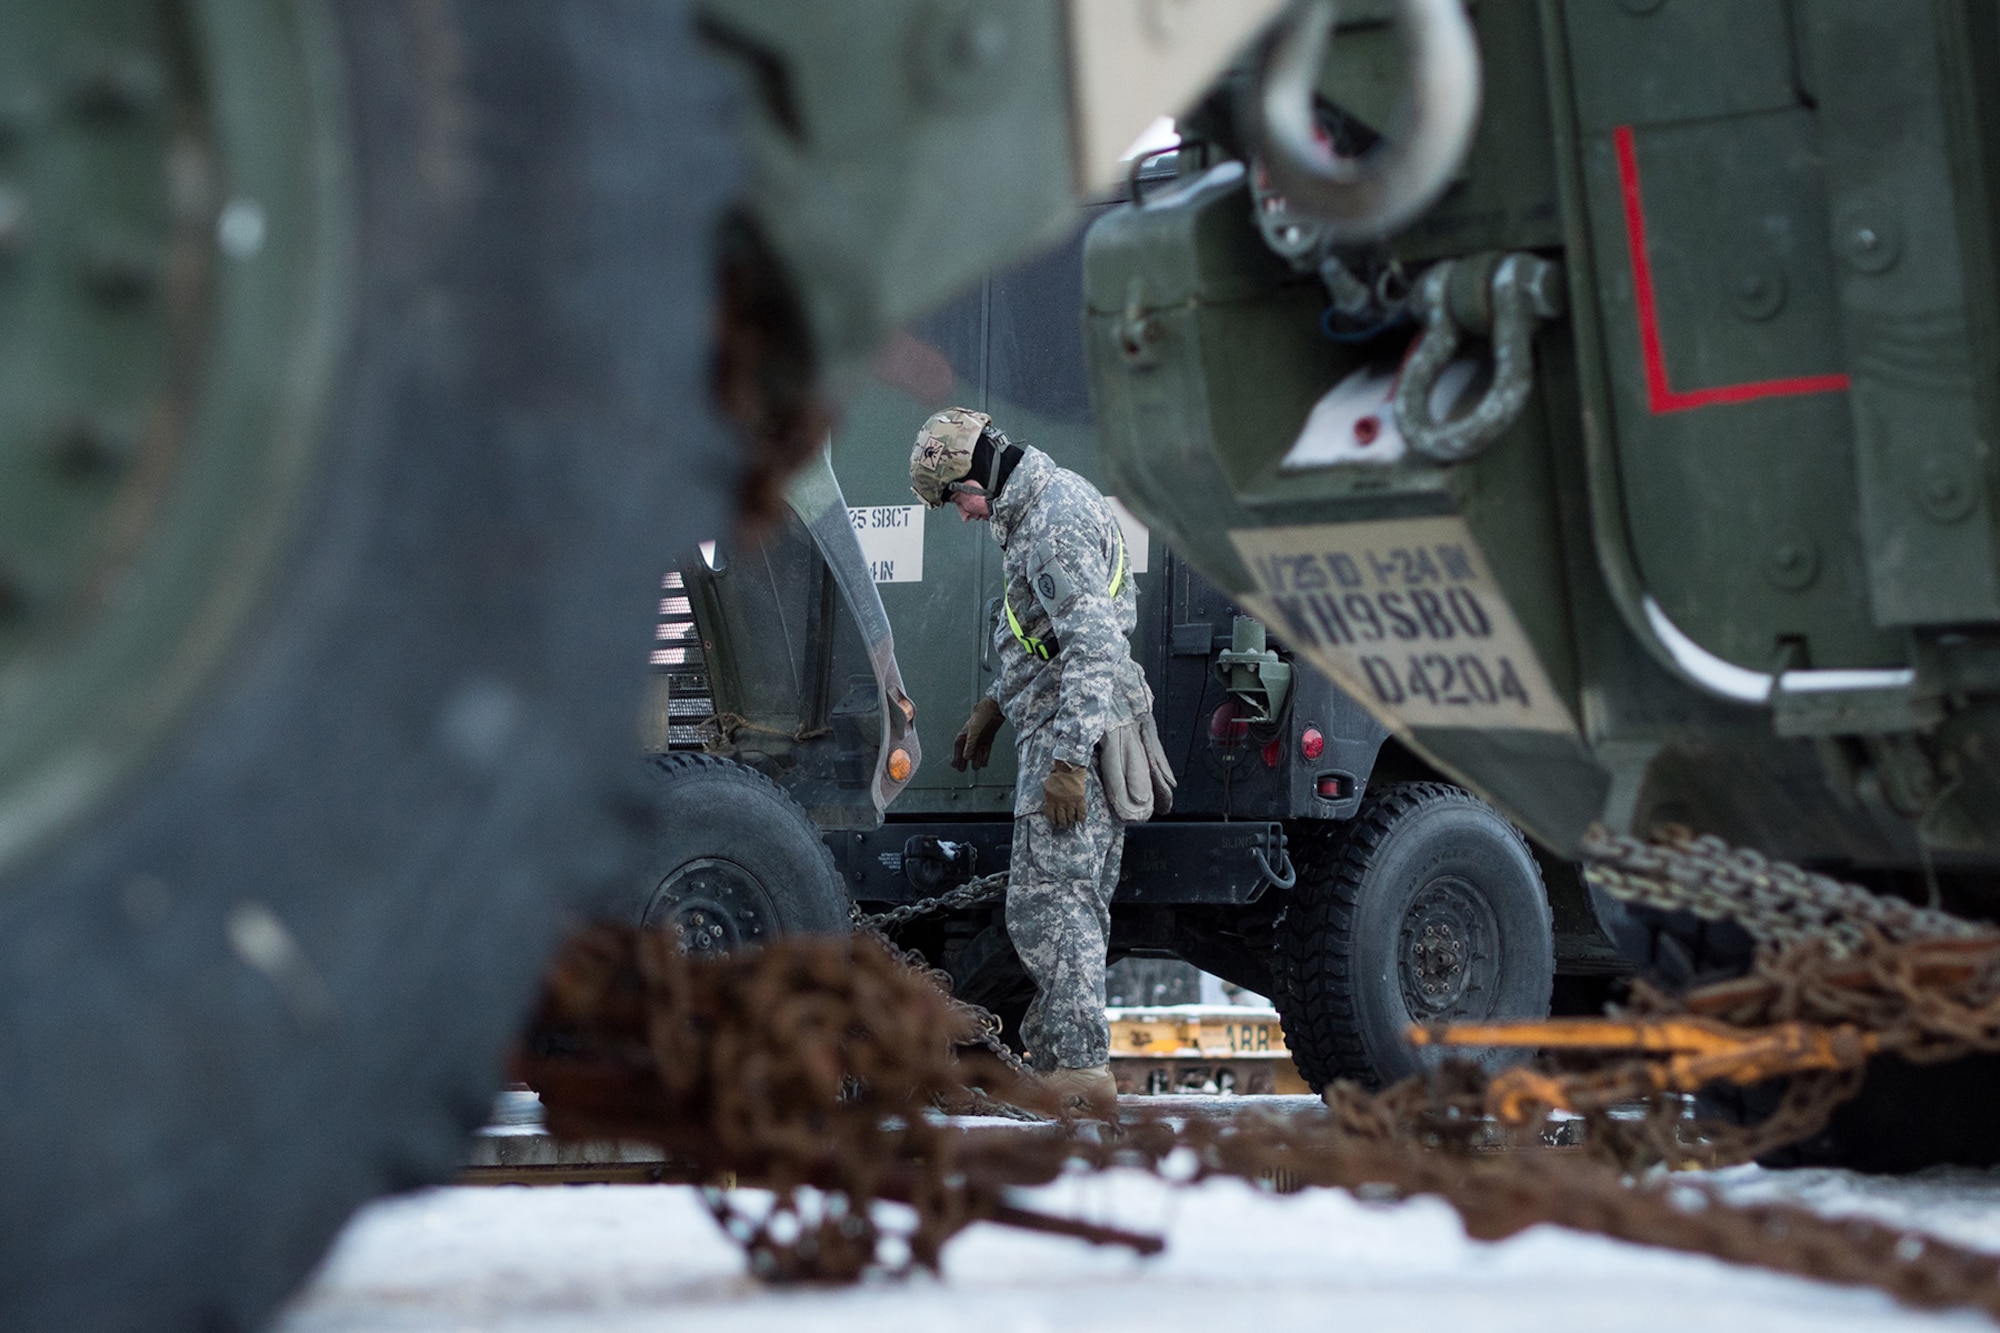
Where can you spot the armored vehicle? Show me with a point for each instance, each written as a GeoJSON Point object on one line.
{"type": "Point", "coordinates": [773, 724]}
{"type": "Point", "coordinates": [1639, 473]}
{"type": "Point", "coordinates": [1622, 438]}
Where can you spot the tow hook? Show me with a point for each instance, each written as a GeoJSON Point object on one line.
{"type": "Point", "coordinates": [1284, 875]}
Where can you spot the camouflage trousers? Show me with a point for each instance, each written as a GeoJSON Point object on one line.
{"type": "Point", "coordinates": [1059, 918]}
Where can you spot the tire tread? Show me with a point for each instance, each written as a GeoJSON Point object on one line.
{"type": "Point", "coordinates": [691, 764]}
{"type": "Point", "coordinates": [1317, 1000]}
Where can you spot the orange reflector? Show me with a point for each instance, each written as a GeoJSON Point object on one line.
{"type": "Point", "coordinates": [899, 765]}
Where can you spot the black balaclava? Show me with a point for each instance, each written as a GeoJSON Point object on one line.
{"type": "Point", "coordinates": [993, 461]}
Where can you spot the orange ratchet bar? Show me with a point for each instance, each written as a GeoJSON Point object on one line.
{"type": "Point", "coordinates": [1682, 1055]}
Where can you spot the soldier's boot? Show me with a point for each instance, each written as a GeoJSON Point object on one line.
{"type": "Point", "coordinates": [1088, 1091]}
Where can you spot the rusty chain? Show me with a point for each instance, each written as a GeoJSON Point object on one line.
{"type": "Point", "coordinates": [1774, 901]}
{"type": "Point", "coordinates": [1923, 983]}
{"type": "Point", "coordinates": [972, 893]}
{"type": "Point", "coordinates": [810, 1067]}
{"type": "Point", "coordinates": [1926, 1000]}
{"type": "Point", "coordinates": [985, 1023]}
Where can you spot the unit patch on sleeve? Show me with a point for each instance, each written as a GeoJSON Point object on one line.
{"type": "Point", "coordinates": [1053, 585]}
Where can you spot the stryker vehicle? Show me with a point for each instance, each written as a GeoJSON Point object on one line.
{"type": "Point", "coordinates": [1705, 534]}
{"type": "Point", "coordinates": [1624, 439]}
{"type": "Point", "coordinates": [777, 723]}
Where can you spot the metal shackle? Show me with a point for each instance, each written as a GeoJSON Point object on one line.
{"type": "Point", "coordinates": [1523, 291]}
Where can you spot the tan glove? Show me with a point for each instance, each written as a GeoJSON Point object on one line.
{"type": "Point", "coordinates": [974, 743]}
{"type": "Point", "coordinates": [1062, 795]}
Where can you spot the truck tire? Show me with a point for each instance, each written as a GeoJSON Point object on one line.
{"type": "Point", "coordinates": [734, 860]}
{"type": "Point", "coordinates": [1427, 907]}
{"type": "Point", "coordinates": [274, 971]}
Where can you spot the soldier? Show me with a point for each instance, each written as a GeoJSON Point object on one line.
{"type": "Point", "coordinates": [1066, 679]}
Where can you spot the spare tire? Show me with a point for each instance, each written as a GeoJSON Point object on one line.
{"type": "Point", "coordinates": [734, 860]}
{"type": "Point", "coordinates": [1427, 907]}
{"type": "Point", "coordinates": [352, 650]}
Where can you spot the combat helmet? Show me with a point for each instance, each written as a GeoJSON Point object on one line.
{"type": "Point", "coordinates": [943, 452]}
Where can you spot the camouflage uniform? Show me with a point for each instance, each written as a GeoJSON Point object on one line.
{"type": "Point", "coordinates": [1062, 547]}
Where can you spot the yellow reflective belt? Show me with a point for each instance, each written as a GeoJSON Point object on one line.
{"type": "Point", "coordinates": [1035, 647]}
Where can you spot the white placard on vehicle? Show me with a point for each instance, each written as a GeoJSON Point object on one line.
{"type": "Point", "coordinates": [1407, 617]}
{"type": "Point", "coordinates": [892, 541]}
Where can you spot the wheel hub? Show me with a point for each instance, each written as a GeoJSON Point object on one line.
{"type": "Point", "coordinates": [713, 905]}
{"type": "Point", "coordinates": [1446, 949]}
{"type": "Point", "coordinates": [172, 234]}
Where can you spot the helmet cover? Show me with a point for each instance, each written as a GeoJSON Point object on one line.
{"type": "Point", "coordinates": [943, 452]}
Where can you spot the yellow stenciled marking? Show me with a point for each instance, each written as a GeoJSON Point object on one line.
{"type": "Point", "coordinates": [1193, 1036]}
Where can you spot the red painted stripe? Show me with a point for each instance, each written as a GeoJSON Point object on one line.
{"type": "Point", "coordinates": [1657, 392]}
{"type": "Point", "coordinates": [1661, 396]}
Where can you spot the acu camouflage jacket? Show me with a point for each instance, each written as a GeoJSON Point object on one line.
{"type": "Point", "coordinates": [1062, 553]}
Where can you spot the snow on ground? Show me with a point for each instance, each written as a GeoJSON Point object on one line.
{"type": "Point", "coordinates": [622, 1258]}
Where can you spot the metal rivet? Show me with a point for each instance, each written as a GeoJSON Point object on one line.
{"type": "Point", "coordinates": [957, 41]}
{"type": "Point", "coordinates": [1870, 238]}
{"type": "Point", "coordinates": [1758, 290]}
{"type": "Point", "coordinates": [1792, 561]}
{"type": "Point", "coordinates": [1944, 491]}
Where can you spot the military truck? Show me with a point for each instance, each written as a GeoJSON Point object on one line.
{"type": "Point", "coordinates": [770, 721]}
